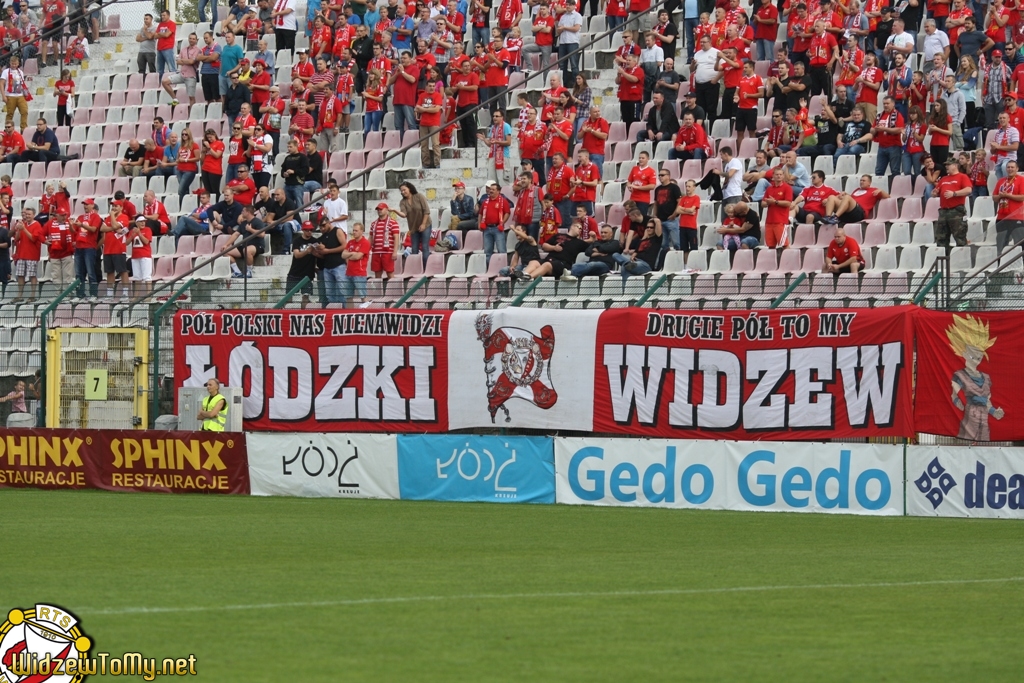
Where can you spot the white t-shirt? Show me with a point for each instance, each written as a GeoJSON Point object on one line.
{"type": "Point", "coordinates": [652, 54]}
{"type": "Point", "coordinates": [902, 40]}
{"type": "Point", "coordinates": [336, 208]}
{"type": "Point", "coordinates": [570, 37]}
{"type": "Point", "coordinates": [733, 188]}
{"type": "Point", "coordinates": [705, 65]}
{"type": "Point", "coordinates": [14, 81]}
{"type": "Point", "coordinates": [934, 44]}
{"type": "Point", "coordinates": [288, 21]}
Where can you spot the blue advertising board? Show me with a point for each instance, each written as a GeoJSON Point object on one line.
{"type": "Point", "coordinates": [492, 469]}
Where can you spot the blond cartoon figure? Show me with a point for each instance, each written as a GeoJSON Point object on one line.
{"type": "Point", "coordinates": [969, 339]}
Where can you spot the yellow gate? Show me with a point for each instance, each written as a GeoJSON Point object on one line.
{"type": "Point", "coordinates": [96, 378]}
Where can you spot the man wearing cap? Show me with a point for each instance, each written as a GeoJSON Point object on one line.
{"type": "Point", "coordinates": [115, 249]}
{"type": "Point", "coordinates": [87, 230]}
{"type": "Point", "coordinates": [494, 212]}
{"type": "Point", "coordinates": [303, 262]}
{"type": "Point", "coordinates": [996, 80]}
{"type": "Point", "coordinates": [952, 190]}
{"type": "Point", "coordinates": [60, 241]}
{"type": "Point", "coordinates": [1015, 112]}
{"type": "Point", "coordinates": [384, 243]}
{"type": "Point", "coordinates": [463, 210]}
{"type": "Point", "coordinates": [187, 72]}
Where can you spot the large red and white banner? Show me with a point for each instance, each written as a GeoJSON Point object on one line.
{"type": "Point", "coordinates": [743, 375]}
{"type": "Point", "coordinates": [970, 375]}
{"type": "Point", "coordinates": [808, 374]}
{"type": "Point", "coordinates": [323, 371]}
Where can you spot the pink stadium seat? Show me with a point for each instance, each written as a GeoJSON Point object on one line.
{"type": "Point", "coordinates": [186, 245]}
{"type": "Point", "coordinates": [803, 236]}
{"type": "Point", "coordinates": [748, 148]}
{"type": "Point", "coordinates": [116, 99]}
{"type": "Point", "coordinates": [872, 284]}
{"type": "Point", "coordinates": [713, 163]}
{"type": "Point", "coordinates": [374, 157]}
{"type": "Point", "coordinates": [474, 242]}
{"type": "Point", "coordinates": [789, 262]}
{"type": "Point", "coordinates": [182, 264]}
{"type": "Point", "coordinates": [616, 214]}
{"type": "Point", "coordinates": [37, 171]}
{"type": "Point", "coordinates": [112, 133]}
{"type": "Point", "coordinates": [498, 261]}
{"type": "Point", "coordinates": [135, 82]}
{"type": "Point", "coordinates": [222, 243]}
{"type": "Point", "coordinates": [634, 130]}
{"type": "Point", "coordinates": [410, 137]}
{"type": "Point", "coordinates": [775, 283]}
{"type": "Point", "coordinates": [101, 315]}
{"type": "Point", "coordinates": [104, 187]}
{"type": "Point", "coordinates": [729, 142]}
{"type": "Point", "coordinates": [97, 116]}
{"type": "Point", "coordinates": [887, 210]}
{"type": "Point", "coordinates": [767, 261]}
{"type": "Point", "coordinates": [911, 210]}
{"type": "Point", "coordinates": [623, 152]}
{"type": "Point", "coordinates": [100, 100]}
{"type": "Point", "coordinates": [814, 259]}
{"type": "Point", "coordinates": [122, 185]}
{"type": "Point", "coordinates": [86, 186]}
{"type": "Point", "coordinates": [742, 261]}
{"type": "Point", "coordinates": [874, 235]}
{"type": "Point", "coordinates": [672, 166]}
{"type": "Point", "coordinates": [355, 162]}
{"type": "Point", "coordinates": [853, 232]}
{"type": "Point", "coordinates": [392, 140]}
{"type": "Point", "coordinates": [825, 235]}
{"type": "Point", "coordinates": [164, 269]}
{"type": "Point", "coordinates": [902, 186]}
{"type": "Point", "coordinates": [203, 246]}
{"type": "Point", "coordinates": [336, 162]}
{"type": "Point", "coordinates": [931, 211]}
{"type": "Point", "coordinates": [133, 98]}
{"type": "Point", "coordinates": [413, 267]}
{"type": "Point", "coordinates": [435, 265]}
{"type": "Point", "coordinates": [34, 188]}
{"type": "Point", "coordinates": [692, 170]}
{"type": "Point", "coordinates": [616, 131]}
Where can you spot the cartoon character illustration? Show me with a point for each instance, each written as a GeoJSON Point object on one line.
{"type": "Point", "coordinates": [969, 339]}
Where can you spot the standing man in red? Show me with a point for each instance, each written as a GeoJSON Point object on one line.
{"type": "Point", "coordinates": [115, 250]}
{"type": "Point", "coordinates": [824, 53]}
{"type": "Point", "coordinates": [465, 86]}
{"type": "Point", "coordinates": [357, 257]}
{"type": "Point", "coordinates": [642, 179]}
{"type": "Point", "coordinates": [593, 135]}
{"type": "Point", "coordinates": [28, 237]}
{"type": "Point", "coordinates": [559, 188]}
{"type": "Point", "coordinates": [87, 231]}
{"type": "Point", "coordinates": [953, 189]}
{"type": "Point", "coordinates": [531, 143]}
{"type": "Point", "coordinates": [1009, 194]}
{"type": "Point", "coordinates": [748, 92]}
{"type": "Point", "coordinates": [630, 80]}
{"type": "Point", "coordinates": [559, 133]}
{"type": "Point", "coordinates": [384, 243]}
{"type": "Point", "coordinates": [588, 177]}
{"type": "Point", "coordinates": [428, 113]}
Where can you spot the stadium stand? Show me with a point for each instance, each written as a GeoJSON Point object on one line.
{"type": "Point", "coordinates": [660, 116]}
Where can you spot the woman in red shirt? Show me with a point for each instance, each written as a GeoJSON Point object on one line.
{"type": "Point", "coordinates": [188, 167]}
{"type": "Point", "coordinates": [373, 99]}
{"type": "Point", "coordinates": [940, 125]}
{"type": "Point", "coordinates": [236, 149]}
{"type": "Point", "coordinates": [212, 162]}
{"type": "Point", "coordinates": [63, 89]}
{"type": "Point", "coordinates": [913, 141]}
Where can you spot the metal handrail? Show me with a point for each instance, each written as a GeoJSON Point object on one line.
{"type": "Point", "coordinates": [41, 422]}
{"type": "Point", "coordinates": [655, 7]}
{"type": "Point", "coordinates": [291, 292]}
{"type": "Point", "coordinates": [789, 290]}
{"type": "Point", "coordinates": [983, 269]}
{"type": "Point", "coordinates": [650, 292]}
{"type": "Point", "coordinates": [155, 390]}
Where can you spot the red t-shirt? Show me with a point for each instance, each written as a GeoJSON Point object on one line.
{"type": "Point", "coordinates": [893, 120]}
{"type": "Point", "coordinates": [404, 91]}
{"type": "Point", "coordinates": [872, 74]}
{"type": "Point", "coordinates": [1009, 208]}
{"type": "Point", "coordinates": [587, 174]}
{"type": "Point", "coordinates": [154, 157]}
{"type": "Point", "coordinates": [591, 142]}
{"type": "Point", "coordinates": [814, 198]}
{"type": "Point", "coordinates": [630, 91]}
{"type": "Point", "coordinates": [212, 164]}
{"type": "Point", "coordinates": [466, 98]}
{"type": "Point", "coordinates": [187, 157]}
{"type": "Point", "coordinates": [560, 182]}
{"type": "Point", "coordinates": [940, 140]}
{"type": "Point", "coordinates": [142, 249]}
{"type": "Point", "coordinates": [357, 268]}
{"type": "Point", "coordinates": [1017, 119]}
{"type": "Point", "coordinates": [687, 220]}
{"type": "Point", "coordinates": [559, 144]}
{"type": "Point", "coordinates": [778, 214]}
{"type": "Point", "coordinates": [168, 42]}
{"type": "Point", "coordinates": [260, 97]}
{"type": "Point", "coordinates": [236, 150]}
{"type": "Point", "coordinates": [303, 71]}
{"type": "Point", "coordinates": [544, 38]}
{"type": "Point", "coordinates": [821, 49]}
{"type": "Point", "coordinates": [116, 241]}
{"type": "Point", "coordinates": [64, 87]}
{"type": "Point", "coordinates": [749, 86]}
{"type": "Point", "coordinates": [531, 141]}
{"type": "Point", "coordinates": [430, 99]}
{"type": "Point", "coordinates": [732, 75]}
{"type": "Point", "coordinates": [61, 238]}
{"type": "Point", "coordinates": [953, 183]}
{"type": "Point", "coordinates": [842, 254]}
{"type": "Point", "coordinates": [245, 190]}
{"type": "Point", "coordinates": [495, 75]}
{"type": "Point", "coordinates": [86, 239]}
{"type": "Point", "coordinates": [866, 199]}
{"type": "Point", "coordinates": [644, 176]}
{"type": "Point", "coordinates": [26, 248]}
{"type": "Point", "coordinates": [767, 32]}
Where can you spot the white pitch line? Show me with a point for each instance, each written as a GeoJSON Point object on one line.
{"type": "Point", "coordinates": [528, 596]}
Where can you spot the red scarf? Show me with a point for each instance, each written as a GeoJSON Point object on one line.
{"type": "Point", "coordinates": [556, 184]}
{"type": "Point", "coordinates": [279, 7]}
{"type": "Point", "coordinates": [498, 150]}
{"type": "Point", "coordinates": [524, 205]}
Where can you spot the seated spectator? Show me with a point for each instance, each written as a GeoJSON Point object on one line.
{"type": "Point", "coordinates": [562, 250]}
{"type": "Point", "coordinates": [155, 214]}
{"type": "Point", "coordinates": [247, 226]}
{"type": "Point", "coordinates": [43, 146]}
{"type": "Point", "coordinates": [167, 165]}
{"type": "Point", "coordinates": [197, 222]}
{"type": "Point", "coordinates": [131, 165]}
{"type": "Point", "coordinates": [224, 215]}
{"type": "Point", "coordinates": [809, 207]}
{"type": "Point", "coordinates": [855, 207]}
{"type": "Point", "coordinates": [278, 208]}
{"type": "Point", "coordinates": [243, 186]}
{"type": "Point", "coordinates": [12, 144]}
{"type": "Point", "coordinates": [843, 254]}
{"type": "Point", "coordinates": [526, 254]}
{"type": "Point", "coordinates": [601, 254]}
{"type": "Point", "coordinates": [151, 158]}
{"type": "Point", "coordinates": [77, 50]}
{"type": "Point", "coordinates": [741, 228]}
{"type": "Point", "coordinates": [644, 251]}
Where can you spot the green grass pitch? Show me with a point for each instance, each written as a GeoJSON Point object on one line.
{"type": "Point", "coordinates": [278, 589]}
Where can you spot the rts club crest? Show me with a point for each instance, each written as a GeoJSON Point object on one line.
{"type": "Point", "coordinates": [517, 364]}
{"type": "Point", "coordinates": [37, 645]}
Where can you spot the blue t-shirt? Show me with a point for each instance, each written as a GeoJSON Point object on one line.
{"type": "Point", "coordinates": [230, 56]}
{"type": "Point", "coordinates": [371, 19]}
{"type": "Point", "coordinates": [690, 9]}
{"type": "Point", "coordinates": [47, 136]}
{"type": "Point", "coordinates": [399, 41]}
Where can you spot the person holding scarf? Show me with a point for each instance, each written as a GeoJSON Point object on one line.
{"type": "Point", "coordinates": [897, 84]}
{"type": "Point", "coordinates": [15, 91]}
{"type": "Point", "coordinates": [499, 138]}
{"type": "Point", "coordinates": [528, 205]}
{"type": "Point", "coordinates": [532, 137]}
{"type": "Point", "coordinates": [560, 186]}
{"type": "Point", "coordinates": [887, 132]}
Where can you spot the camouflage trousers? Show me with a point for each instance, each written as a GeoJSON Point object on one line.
{"type": "Point", "coordinates": [951, 222]}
